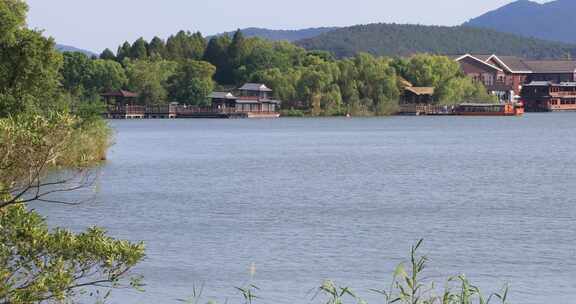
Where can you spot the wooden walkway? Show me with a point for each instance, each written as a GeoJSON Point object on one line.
{"type": "Point", "coordinates": [423, 109]}
{"type": "Point", "coordinates": [175, 111]}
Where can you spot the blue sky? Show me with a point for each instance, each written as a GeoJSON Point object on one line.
{"type": "Point", "coordinates": [95, 25]}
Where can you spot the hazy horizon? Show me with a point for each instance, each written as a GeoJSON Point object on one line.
{"type": "Point", "coordinates": [108, 24]}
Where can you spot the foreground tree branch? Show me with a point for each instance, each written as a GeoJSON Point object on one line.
{"type": "Point", "coordinates": [39, 164]}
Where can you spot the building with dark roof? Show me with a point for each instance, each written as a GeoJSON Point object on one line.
{"type": "Point", "coordinates": [253, 99]}
{"type": "Point", "coordinates": [505, 76]}
{"type": "Point", "coordinates": [254, 87]}
{"type": "Point", "coordinates": [482, 69]}
{"type": "Point", "coordinates": [119, 97]}
{"type": "Point", "coordinates": [546, 96]}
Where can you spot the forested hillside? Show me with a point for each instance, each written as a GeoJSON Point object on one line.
{"type": "Point", "coordinates": [551, 21]}
{"type": "Point", "coordinates": [67, 48]}
{"type": "Point", "coordinates": [403, 40]}
{"type": "Point", "coordinates": [280, 35]}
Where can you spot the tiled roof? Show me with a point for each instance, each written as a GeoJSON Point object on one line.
{"type": "Point", "coordinates": [221, 95]}
{"type": "Point", "coordinates": [255, 87]}
{"type": "Point", "coordinates": [517, 64]}
{"type": "Point", "coordinates": [552, 66]}
{"type": "Point", "coordinates": [514, 63]}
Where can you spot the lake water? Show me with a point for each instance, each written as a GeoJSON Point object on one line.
{"type": "Point", "coordinates": [305, 200]}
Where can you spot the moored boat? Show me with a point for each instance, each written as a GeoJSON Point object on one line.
{"type": "Point", "coordinates": [478, 109]}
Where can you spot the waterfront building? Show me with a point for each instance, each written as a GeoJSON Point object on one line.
{"type": "Point", "coordinates": [418, 100]}
{"type": "Point", "coordinates": [121, 104]}
{"type": "Point", "coordinates": [119, 97]}
{"type": "Point", "coordinates": [252, 99]}
{"type": "Point", "coordinates": [546, 96]}
{"type": "Point", "coordinates": [417, 95]}
{"type": "Point", "coordinates": [223, 101]}
{"type": "Point", "coordinates": [505, 76]}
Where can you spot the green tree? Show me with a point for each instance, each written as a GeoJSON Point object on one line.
{"type": "Point", "coordinates": [452, 86]}
{"type": "Point", "coordinates": [139, 49]}
{"type": "Point", "coordinates": [192, 82]}
{"type": "Point", "coordinates": [105, 76]}
{"type": "Point", "coordinates": [43, 265]}
{"type": "Point", "coordinates": [29, 64]}
{"type": "Point", "coordinates": [260, 55]}
{"type": "Point", "coordinates": [124, 51]}
{"type": "Point", "coordinates": [107, 54]}
{"type": "Point", "coordinates": [431, 70]}
{"type": "Point", "coordinates": [377, 83]}
{"type": "Point", "coordinates": [157, 47]}
{"type": "Point", "coordinates": [185, 45]}
{"type": "Point", "coordinates": [283, 82]}
{"type": "Point", "coordinates": [13, 18]}
{"type": "Point", "coordinates": [463, 89]}
{"type": "Point", "coordinates": [217, 54]}
{"type": "Point", "coordinates": [236, 51]}
{"type": "Point", "coordinates": [84, 77]}
{"type": "Point", "coordinates": [313, 86]}
{"type": "Point", "coordinates": [75, 72]}
{"type": "Point", "coordinates": [149, 78]}
{"type": "Point", "coordinates": [38, 264]}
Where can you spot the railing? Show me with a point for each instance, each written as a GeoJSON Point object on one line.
{"type": "Point", "coordinates": [422, 109]}
{"type": "Point", "coordinates": [173, 110]}
{"type": "Point", "coordinates": [188, 110]}
{"type": "Point", "coordinates": [563, 94]}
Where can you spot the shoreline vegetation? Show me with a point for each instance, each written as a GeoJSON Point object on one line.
{"type": "Point", "coordinates": [40, 88]}
{"type": "Point", "coordinates": [409, 285]}
{"type": "Point", "coordinates": [187, 67]}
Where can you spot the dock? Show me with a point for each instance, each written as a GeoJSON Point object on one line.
{"type": "Point", "coordinates": [181, 111]}
{"type": "Point", "coordinates": [425, 109]}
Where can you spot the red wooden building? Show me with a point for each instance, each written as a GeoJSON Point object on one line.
{"type": "Point", "coordinates": [505, 76]}
{"type": "Point", "coordinates": [546, 96]}
{"type": "Point", "coordinates": [119, 97]}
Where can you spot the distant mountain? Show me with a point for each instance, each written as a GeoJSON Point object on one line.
{"type": "Point", "coordinates": [551, 21]}
{"type": "Point", "coordinates": [67, 48]}
{"type": "Point", "coordinates": [403, 40]}
{"type": "Point", "coordinates": [278, 35]}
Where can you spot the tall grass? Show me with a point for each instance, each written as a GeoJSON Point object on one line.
{"type": "Point", "coordinates": [90, 141]}
{"type": "Point", "coordinates": [408, 286]}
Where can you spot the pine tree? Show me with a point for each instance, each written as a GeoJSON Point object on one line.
{"type": "Point", "coordinates": [217, 54]}
{"type": "Point", "coordinates": [139, 49]}
{"type": "Point", "coordinates": [157, 47]}
{"type": "Point", "coordinates": [107, 54]}
{"type": "Point", "coordinates": [123, 51]}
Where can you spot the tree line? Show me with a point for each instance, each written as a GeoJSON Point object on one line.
{"type": "Point", "coordinates": [186, 67]}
